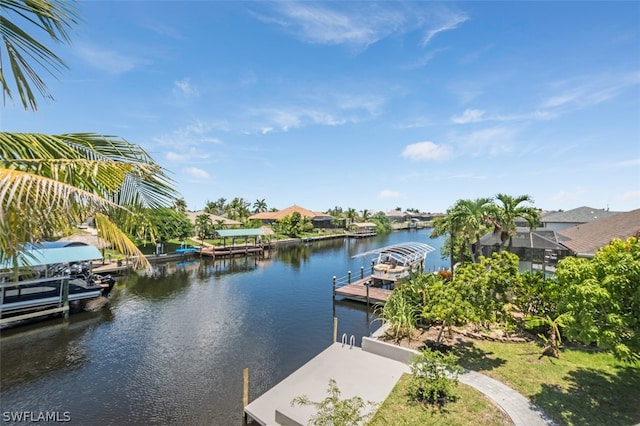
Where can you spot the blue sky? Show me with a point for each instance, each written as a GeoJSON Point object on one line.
{"type": "Point", "coordinates": [359, 104]}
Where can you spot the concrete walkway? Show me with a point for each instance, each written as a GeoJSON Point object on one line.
{"type": "Point", "coordinates": [370, 372]}
{"type": "Point", "coordinates": [520, 409]}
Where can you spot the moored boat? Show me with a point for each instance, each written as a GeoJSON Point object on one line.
{"type": "Point", "coordinates": [397, 261]}
{"type": "Point", "coordinates": [49, 277]}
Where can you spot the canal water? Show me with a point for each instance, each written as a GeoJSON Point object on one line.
{"type": "Point", "coordinates": [171, 348]}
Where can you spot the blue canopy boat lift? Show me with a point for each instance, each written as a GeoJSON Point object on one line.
{"type": "Point", "coordinates": [48, 277]}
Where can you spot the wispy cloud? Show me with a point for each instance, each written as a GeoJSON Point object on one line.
{"type": "Point", "coordinates": [426, 151]}
{"type": "Point", "coordinates": [468, 116]}
{"type": "Point", "coordinates": [477, 115]}
{"type": "Point", "coordinates": [490, 141]}
{"type": "Point", "coordinates": [631, 196]}
{"type": "Point", "coordinates": [197, 173]}
{"type": "Point", "coordinates": [320, 24]}
{"type": "Point", "coordinates": [184, 88]}
{"type": "Point", "coordinates": [387, 194]}
{"type": "Point", "coordinates": [634, 162]}
{"type": "Point", "coordinates": [568, 195]}
{"type": "Point", "coordinates": [342, 23]}
{"type": "Point", "coordinates": [585, 91]}
{"type": "Point", "coordinates": [107, 60]}
{"type": "Point", "coordinates": [327, 110]}
{"type": "Point", "coordinates": [445, 20]}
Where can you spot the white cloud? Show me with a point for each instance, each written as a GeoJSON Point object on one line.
{"type": "Point", "coordinates": [493, 141]}
{"type": "Point", "coordinates": [448, 20]}
{"type": "Point", "coordinates": [468, 116]}
{"type": "Point", "coordinates": [107, 60]}
{"type": "Point", "coordinates": [426, 151]}
{"type": "Point", "coordinates": [187, 154]}
{"type": "Point", "coordinates": [388, 194]}
{"type": "Point", "coordinates": [571, 195]}
{"type": "Point", "coordinates": [197, 173]}
{"type": "Point", "coordinates": [585, 91]}
{"type": "Point", "coordinates": [630, 196]}
{"type": "Point", "coordinates": [318, 24]}
{"type": "Point", "coordinates": [344, 23]}
{"type": "Point", "coordinates": [185, 88]}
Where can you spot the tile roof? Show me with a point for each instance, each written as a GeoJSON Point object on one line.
{"type": "Point", "coordinates": [193, 215]}
{"type": "Point", "coordinates": [582, 214]}
{"type": "Point", "coordinates": [288, 212]}
{"type": "Point", "coordinates": [587, 238]}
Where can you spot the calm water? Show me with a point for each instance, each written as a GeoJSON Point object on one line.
{"type": "Point", "coordinates": [171, 349]}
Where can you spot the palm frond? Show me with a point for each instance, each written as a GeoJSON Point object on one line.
{"type": "Point", "coordinates": [110, 232]}
{"type": "Point", "coordinates": [53, 17]}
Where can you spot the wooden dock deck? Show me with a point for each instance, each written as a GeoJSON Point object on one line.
{"type": "Point", "coordinates": [357, 291]}
{"type": "Point", "coordinates": [231, 251]}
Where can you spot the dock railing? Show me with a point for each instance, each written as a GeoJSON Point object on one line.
{"type": "Point", "coordinates": [346, 279]}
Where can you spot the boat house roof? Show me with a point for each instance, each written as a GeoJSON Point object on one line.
{"type": "Point", "coordinates": [233, 233]}
{"type": "Point", "coordinates": [404, 252]}
{"type": "Point", "coordinates": [50, 253]}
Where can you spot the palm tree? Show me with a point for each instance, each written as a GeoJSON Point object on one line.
{"type": "Point", "coordinates": [447, 225]}
{"type": "Point", "coordinates": [260, 206]}
{"type": "Point", "coordinates": [50, 182]}
{"type": "Point", "coordinates": [503, 216]}
{"type": "Point", "coordinates": [472, 218]}
{"type": "Point", "coordinates": [366, 215]}
{"type": "Point", "coordinates": [351, 214]}
{"type": "Point", "coordinates": [180, 205]}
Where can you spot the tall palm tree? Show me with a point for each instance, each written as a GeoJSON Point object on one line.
{"type": "Point", "coordinates": [260, 206]}
{"type": "Point", "coordinates": [472, 218]}
{"type": "Point", "coordinates": [50, 182]}
{"type": "Point", "coordinates": [351, 215]}
{"type": "Point", "coordinates": [503, 216]}
{"type": "Point", "coordinates": [180, 205]}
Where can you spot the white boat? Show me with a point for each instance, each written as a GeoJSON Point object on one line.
{"type": "Point", "coordinates": [397, 261]}
{"type": "Point", "coordinates": [51, 275]}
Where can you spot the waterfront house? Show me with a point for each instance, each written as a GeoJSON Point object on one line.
{"type": "Point", "coordinates": [585, 239]}
{"type": "Point", "coordinates": [562, 220]}
{"type": "Point", "coordinates": [319, 220]}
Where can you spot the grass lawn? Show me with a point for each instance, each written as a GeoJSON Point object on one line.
{"type": "Point", "coordinates": [471, 408]}
{"type": "Point", "coordinates": [581, 388]}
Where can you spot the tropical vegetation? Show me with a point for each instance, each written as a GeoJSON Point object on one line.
{"type": "Point", "coordinates": [49, 183]}
{"type": "Point", "coordinates": [591, 301]}
{"type": "Point", "coordinates": [334, 410]}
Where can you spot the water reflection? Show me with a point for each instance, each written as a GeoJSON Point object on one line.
{"type": "Point", "coordinates": [171, 347]}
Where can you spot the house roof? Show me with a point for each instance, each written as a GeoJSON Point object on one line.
{"type": "Point", "coordinates": [397, 213]}
{"type": "Point", "coordinates": [587, 238]}
{"type": "Point", "coordinates": [288, 212]}
{"type": "Point", "coordinates": [192, 217]}
{"type": "Point", "coordinates": [540, 238]}
{"type": "Point", "coordinates": [582, 214]}
{"type": "Point", "coordinates": [364, 224]}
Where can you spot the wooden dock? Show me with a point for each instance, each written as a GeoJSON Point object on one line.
{"type": "Point", "coordinates": [362, 292]}
{"type": "Point", "coordinates": [231, 251]}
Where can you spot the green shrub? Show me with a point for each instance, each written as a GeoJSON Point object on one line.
{"type": "Point", "coordinates": [435, 376]}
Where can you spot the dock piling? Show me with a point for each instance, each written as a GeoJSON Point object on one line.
{"type": "Point", "coordinates": [367, 285]}
{"type": "Point", "coordinates": [335, 329]}
{"type": "Point", "coordinates": [245, 392]}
